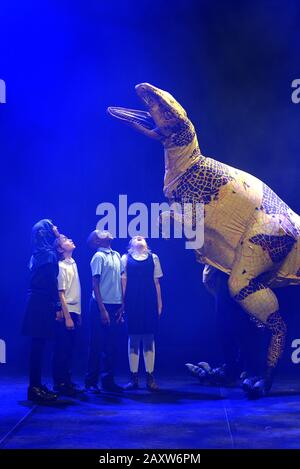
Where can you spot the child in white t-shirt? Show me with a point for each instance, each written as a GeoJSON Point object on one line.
{"type": "Point", "coordinates": [70, 298]}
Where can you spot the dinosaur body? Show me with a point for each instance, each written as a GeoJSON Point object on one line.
{"type": "Point", "coordinates": [250, 233]}
{"type": "Point", "coordinates": [244, 219]}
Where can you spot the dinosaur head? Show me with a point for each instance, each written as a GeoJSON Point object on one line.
{"type": "Point", "coordinates": [164, 119]}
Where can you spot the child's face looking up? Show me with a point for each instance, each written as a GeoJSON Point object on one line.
{"type": "Point", "coordinates": [138, 242]}
{"type": "Point", "coordinates": [66, 244]}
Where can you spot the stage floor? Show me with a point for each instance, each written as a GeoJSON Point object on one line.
{"type": "Point", "coordinates": [182, 415]}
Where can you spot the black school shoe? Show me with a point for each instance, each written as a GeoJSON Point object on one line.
{"type": "Point", "coordinates": [66, 389]}
{"type": "Point", "coordinates": [111, 386]}
{"type": "Point", "coordinates": [41, 394]}
{"type": "Point", "coordinates": [151, 384]}
{"type": "Point", "coordinates": [133, 382]}
{"type": "Point", "coordinates": [92, 388]}
{"type": "Point", "coordinates": [48, 391]}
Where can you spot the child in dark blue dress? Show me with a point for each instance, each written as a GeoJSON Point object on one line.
{"type": "Point", "coordinates": [143, 306]}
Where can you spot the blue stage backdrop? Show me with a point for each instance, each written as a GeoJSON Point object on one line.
{"type": "Point", "coordinates": [230, 63]}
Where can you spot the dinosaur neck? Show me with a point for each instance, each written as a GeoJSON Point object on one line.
{"type": "Point", "coordinates": [179, 159]}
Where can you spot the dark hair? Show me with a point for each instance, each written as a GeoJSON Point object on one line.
{"type": "Point", "coordinates": [42, 239]}
{"type": "Point", "coordinates": [57, 248]}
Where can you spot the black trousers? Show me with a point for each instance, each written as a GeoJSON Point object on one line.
{"type": "Point", "coordinates": [36, 359]}
{"type": "Point", "coordinates": [63, 351]}
{"type": "Point", "coordinates": [103, 345]}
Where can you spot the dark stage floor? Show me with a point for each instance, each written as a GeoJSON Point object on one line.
{"type": "Point", "coordinates": [183, 415]}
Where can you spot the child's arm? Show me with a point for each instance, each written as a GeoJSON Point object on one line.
{"type": "Point", "coordinates": [124, 283]}
{"type": "Point", "coordinates": [68, 320]}
{"type": "Point", "coordinates": [157, 275]}
{"type": "Point", "coordinates": [103, 311]}
{"type": "Point", "coordinates": [158, 294]}
{"type": "Point", "coordinates": [123, 275]}
{"type": "Point", "coordinates": [120, 312]}
{"type": "Point", "coordinates": [50, 274]}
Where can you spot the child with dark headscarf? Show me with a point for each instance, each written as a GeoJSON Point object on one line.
{"type": "Point", "coordinates": [42, 304]}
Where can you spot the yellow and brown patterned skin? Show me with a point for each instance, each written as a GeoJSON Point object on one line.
{"type": "Point", "coordinates": [250, 233]}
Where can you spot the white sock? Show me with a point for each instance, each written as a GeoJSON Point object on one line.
{"type": "Point", "coordinates": [134, 352]}
{"type": "Point", "coordinates": [149, 352]}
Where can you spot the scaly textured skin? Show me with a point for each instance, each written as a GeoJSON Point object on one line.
{"type": "Point", "coordinates": [250, 233]}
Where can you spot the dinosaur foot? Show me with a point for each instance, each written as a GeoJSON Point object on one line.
{"type": "Point", "coordinates": [222, 376]}
{"type": "Point", "coordinates": [218, 376]}
{"type": "Point", "coordinates": [200, 371]}
{"type": "Point", "coordinates": [256, 387]}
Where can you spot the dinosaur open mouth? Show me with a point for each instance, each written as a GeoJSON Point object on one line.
{"type": "Point", "coordinates": [133, 116]}
{"type": "Point", "coordinates": [141, 120]}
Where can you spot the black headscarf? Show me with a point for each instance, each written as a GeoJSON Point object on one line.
{"type": "Point", "coordinates": [42, 239]}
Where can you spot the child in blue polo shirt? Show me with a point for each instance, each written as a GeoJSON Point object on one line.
{"type": "Point", "coordinates": [106, 309]}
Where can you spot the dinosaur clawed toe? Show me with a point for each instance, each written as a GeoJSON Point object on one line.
{"type": "Point", "coordinates": [253, 386]}
{"type": "Point", "coordinates": [256, 387]}
{"type": "Point", "coordinates": [218, 376]}
{"type": "Point", "coordinates": [200, 371]}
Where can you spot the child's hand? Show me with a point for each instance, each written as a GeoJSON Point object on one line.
{"type": "Point", "coordinates": [119, 315]}
{"type": "Point", "coordinates": [105, 319]}
{"type": "Point", "coordinates": [69, 324]}
{"type": "Point", "coordinates": [59, 316]}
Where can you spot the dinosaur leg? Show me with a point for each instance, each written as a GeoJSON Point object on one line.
{"type": "Point", "coordinates": [248, 289]}
{"type": "Point", "coordinates": [257, 387]}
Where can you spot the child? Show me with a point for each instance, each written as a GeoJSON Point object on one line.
{"type": "Point", "coordinates": [106, 309]}
{"type": "Point", "coordinates": [42, 304]}
{"type": "Point", "coordinates": [69, 293]}
{"type": "Point", "coordinates": [143, 306]}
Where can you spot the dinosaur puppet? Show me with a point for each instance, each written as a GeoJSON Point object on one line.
{"type": "Point", "coordinates": [249, 232]}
